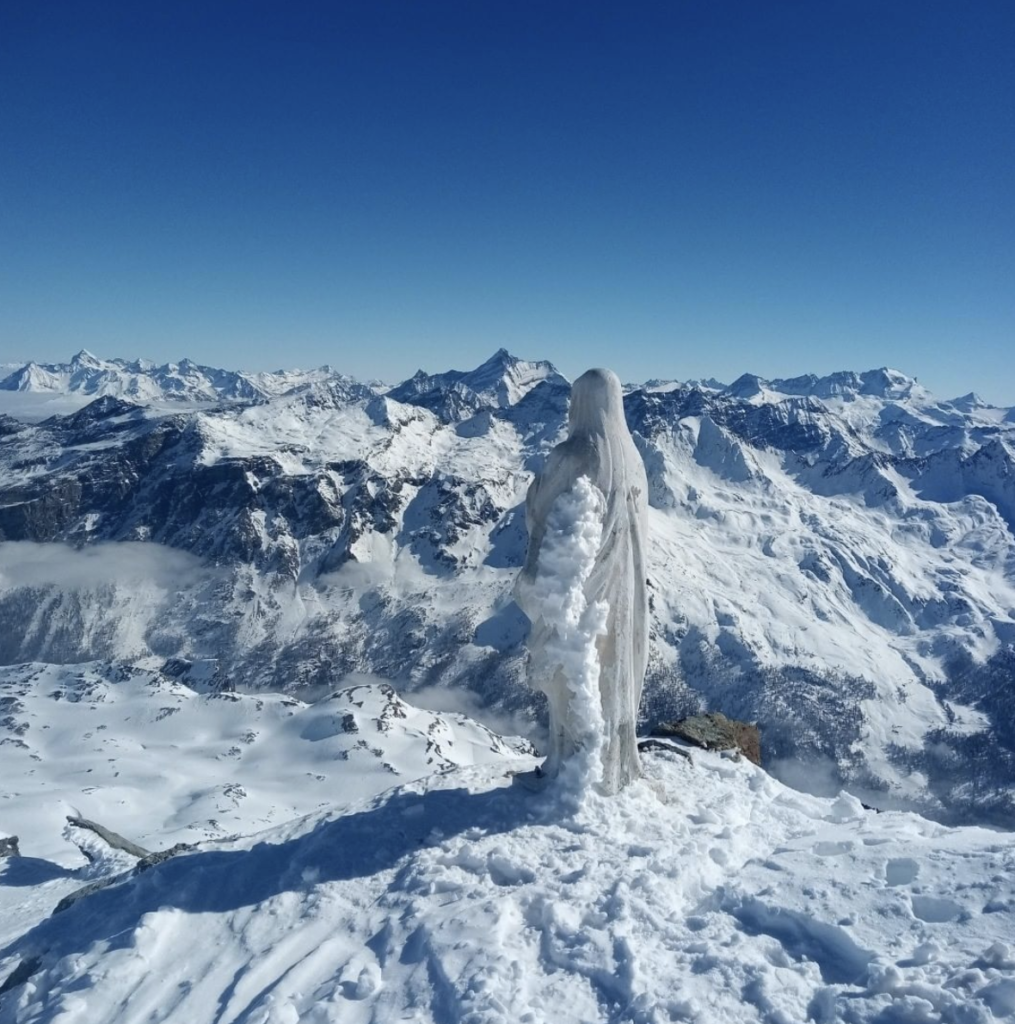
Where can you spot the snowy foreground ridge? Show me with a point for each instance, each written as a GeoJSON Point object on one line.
{"type": "Point", "coordinates": [703, 892]}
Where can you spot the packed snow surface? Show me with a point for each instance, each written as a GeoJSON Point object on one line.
{"type": "Point", "coordinates": [703, 892]}
{"type": "Point", "coordinates": [160, 763]}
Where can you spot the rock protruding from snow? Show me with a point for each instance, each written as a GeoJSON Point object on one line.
{"type": "Point", "coordinates": [714, 731]}
{"type": "Point", "coordinates": [111, 839]}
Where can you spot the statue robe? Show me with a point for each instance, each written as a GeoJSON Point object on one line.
{"type": "Point", "coordinates": [598, 446]}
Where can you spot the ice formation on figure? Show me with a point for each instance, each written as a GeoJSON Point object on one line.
{"type": "Point", "coordinates": [568, 669]}
{"type": "Point", "coordinates": [587, 520]}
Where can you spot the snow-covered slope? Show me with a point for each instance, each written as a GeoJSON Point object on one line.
{"type": "Point", "coordinates": [170, 760]}
{"type": "Point", "coordinates": [831, 556]}
{"type": "Point", "coordinates": [705, 892]}
{"type": "Point", "coordinates": [165, 759]}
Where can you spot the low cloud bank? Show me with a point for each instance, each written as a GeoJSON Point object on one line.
{"type": "Point", "coordinates": [31, 564]}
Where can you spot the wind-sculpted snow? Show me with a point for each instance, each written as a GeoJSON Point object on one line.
{"type": "Point", "coordinates": [833, 556]}
{"type": "Point", "coordinates": [704, 892]}
{"type": "Point", "coordinates": [566, 666]}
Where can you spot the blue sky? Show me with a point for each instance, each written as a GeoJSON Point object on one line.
{"type": "Point", "coordinates": [675, 189]}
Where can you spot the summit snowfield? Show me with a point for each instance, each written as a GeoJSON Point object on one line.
{"type": "Point", "coordinates": [831, 556]}
{"type": "Point", "coordinates": [704, 892]}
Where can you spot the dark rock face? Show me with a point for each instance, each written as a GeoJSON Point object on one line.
{"type": "Point", "coordinates": [791, 425]}
{"type": "Point", "coordinates": [25, 969]}
{"type": "Point", "coordinates": [9, 425]}
{"type": "Point", "coordinates": [714, 731]}
{"type": "Point", "coordinates": [147, 862]}
{"type": "Point", "coordinates": [9, 847]}
{"type": "Point", "coordinates": [112, 839]}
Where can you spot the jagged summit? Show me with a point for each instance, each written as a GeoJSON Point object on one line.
{"type": "Point", "coordinates": [501, 381]}
{"type": "Point", "coordinates": [882, 383]}
{"type": "Point", "coordinates": [969, 402]}
{"type": "Point", "coordinates": [502, 357]}
{"type": "Point", "coordinates": [747, 385]}
{"type": "Point", "coordinates": [86, 359]}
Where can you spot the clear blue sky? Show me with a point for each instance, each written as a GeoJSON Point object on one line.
{"type": "Point", "coordinates": [672, 189]}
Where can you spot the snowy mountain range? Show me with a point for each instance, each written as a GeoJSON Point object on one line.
{"type": "Point", "coordinates": [143, 381]}
{"type": "Point", "coordinates": [831, 556]}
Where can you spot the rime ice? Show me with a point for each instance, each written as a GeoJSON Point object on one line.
{"type": "Point", "coordinates": [595, 476]}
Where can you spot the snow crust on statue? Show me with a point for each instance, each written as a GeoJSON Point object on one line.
{"type": "Point", "coordinates": [613, 615]}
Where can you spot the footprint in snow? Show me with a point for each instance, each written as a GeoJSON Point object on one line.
{"type": "Point", "coordinates": [832, 849]}
{"type": "Point", "coordinates": [901, 871]}
{"type": "Point", "coordinates": [504, 871]}
{"type": "Point", "coordinates": [935, 909]}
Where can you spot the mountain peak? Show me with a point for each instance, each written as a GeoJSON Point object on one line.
{"type": "Point", "coordinates": [886, 383]}
{"type": "Point", "coordinates": [86, 359]}
{"type": "Point", "coordinates": [501, 357]}
{"type": "Point", "coordinates": [747, 385]}
{"type": "Point", "coordinates": [503, 380]}
{"type": "Point", "coordinates": [969, 401]}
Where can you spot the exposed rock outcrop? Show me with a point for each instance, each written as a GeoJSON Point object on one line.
{"type": "Point", "coordinates": [714, 731]}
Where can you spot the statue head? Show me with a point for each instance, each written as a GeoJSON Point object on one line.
{"type": "Point", "coordinates": [597, 402]}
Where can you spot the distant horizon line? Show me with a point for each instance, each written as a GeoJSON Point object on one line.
{"type": "Point", "coordinates": [712, 383]}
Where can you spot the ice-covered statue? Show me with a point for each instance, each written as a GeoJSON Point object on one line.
{"type": "Point", "coordinates": [583, 588]}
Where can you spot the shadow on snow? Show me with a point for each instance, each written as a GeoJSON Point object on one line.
{"type": "Point", "coordinates": [354, 845]}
